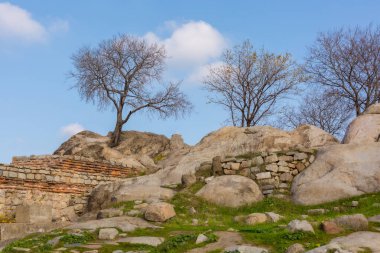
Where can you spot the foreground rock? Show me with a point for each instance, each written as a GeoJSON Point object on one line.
{"type": "Point", "coordinates": [300, 226]}
{"type": "Point", "coordinates": [159, 212]}
{"type": "Point", "coordinates": [231, 191]}
{"type": "Point", "coordinates": [355, 222]}
{"type": "Point", "coordinates": [147, 240]}
{"type": "Point", "coordinates": [108, 233]}
{"type": "Point", "coordinates": [106, 194]}
{"type": "Point", "coordinates": [296, 248]}
{"type": "Point", "coordinates": [355, 242]}
{"type": "Point", "coordinates": [365, 128]}
{"type": "Point", "coordinates": [245, 249]}
{"type": "Point", "coordinates": [339, 171]}
{"type": "Point", "coordinates": [126, 224]}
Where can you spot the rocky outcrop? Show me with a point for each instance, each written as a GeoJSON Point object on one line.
{"type": "Point", "coordinates": [365, 128]}
{"type": "Point", "coordinates": [137, 149]}
{"type": "Point", "coordinates": [231, 191]}
{"type": "Point", "coordinates": [237, 140]}
{"type": "Point", "coordinates": [355, 242]}
{"type": "Point", "coordinates": [106, 194]}
{"type": "Point", "coordinates": [339, 171]}
{"type": "Point", "coordinates": [225, 141]}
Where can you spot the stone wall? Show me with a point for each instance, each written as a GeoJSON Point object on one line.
{"type": "Point", "coordinates": [273, 172]}
{"type": "Point", "coordinates": [62, 182]}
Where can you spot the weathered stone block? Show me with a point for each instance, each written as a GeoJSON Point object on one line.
{"type": "Point", "coordinates": [235, 166]}
{"type": "Point", "coordinates": [286, 177]}
{"type": "Point", "coordinates": [283, 169]}
{"type": "Point", "coordinates": [300, 167]}
{"type": "Point", "coordinates": [271, 159]}
{"type": "Point", "coordinates": [255, 169]}
{"type": "Point", "coordinates": [282, 163]}
{"type": "Point", "coordinates": [271, 167]}
{"type": "Point", "coordinates": [285, 158]}
{"type": "Point", "coordinates": [21, 176]}
{"type": "Point", "coordinates": [229, 172]}
{"type": "Point", "coordinates": [263, 175]}
{"type": "Point", "coordinates": [12, 174]}
{"type": "Point", "coordinates": [300, 156]}
{"type": "Point", "coordinates": [33, 214]}
{"type": "Point", "coordinates": [216, 165]}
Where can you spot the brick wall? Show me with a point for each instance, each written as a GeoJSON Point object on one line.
{"type": "Point", "coordinates": [62, 182]}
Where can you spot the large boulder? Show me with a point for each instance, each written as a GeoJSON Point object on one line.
{"type": "Point", "coordinates": [365, 128]}
{"type": "Point", "coordinates": [231, 191]}
{"type": "Point", "coordinates": [159, 212]}
{"type": "Point", "coordinates": [339, 171]}
{"type": "Point", "coordinates": [355, 242]}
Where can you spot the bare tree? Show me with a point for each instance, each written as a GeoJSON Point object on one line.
{"type": "Point", "coordinates": [124, 72]}
{"type": "Point", "coordinates": [347, 62]}
{"type": "Point", "coordinates": [249, 83]}
{"type": "Point", "coordinates": [320, 109]}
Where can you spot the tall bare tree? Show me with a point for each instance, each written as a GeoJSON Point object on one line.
{"type": "Point", "coordinates": [320, 109]}
{"type": "Point", "coordinates": [249, 83]}
{"type": "Point", "coordinates": [347, 62]}
{"type": "Point", "coordinates": [125, 72]}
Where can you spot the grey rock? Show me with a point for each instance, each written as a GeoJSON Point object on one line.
{"type": "Point", "coordinates": [108, 233]}
{"type": "Point", "coordinates": [125, 223]}
{"type": "Point", "coordinates": [245, 249]}
{"type": "Point", "coordinates": [339, 171]}
{"type": "Point", "coordinates": [201, 238]}
{"type": "Point", "coordinates": [300, 225]}
{"type": "Point", "coordinates": [354, 243]}
{"type": "Point", "coordinates": [188, 180]}
{"type": "Point", "coordinates": [232, 191]}
{"type": "Point", "coordinates": [159, 212]}
{"type": "Point", "coordinates": [147, 240]}
{"type": "Point", "coordinates": [355, 222]}
{"type": "Point", "coordinates": [296, 248]}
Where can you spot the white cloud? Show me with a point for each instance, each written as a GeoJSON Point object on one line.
{"type": "Point", "coordinates": [72, 129]}
{"type": "Point", "coordinates": [18, 23]}
{"type": "Point", "coordinates": [192, 43]}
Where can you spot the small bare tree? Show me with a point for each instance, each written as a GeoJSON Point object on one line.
{"type": "Point", "coordinates": [320, 109]}
{"type": "Point", "coordinates": [249, 83]}
{"type": "Point", "coordinates": [347, 62]}
{"type": "Point", "coordinates": [124, 72]}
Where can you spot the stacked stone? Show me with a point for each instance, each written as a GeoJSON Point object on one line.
{"type": "Point", "coordinates": [63, 182]}
{"type": "Point", "coordinates": [273, 172]}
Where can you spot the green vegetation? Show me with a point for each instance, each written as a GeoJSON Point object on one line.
{"type": "Point", "coordinates": [180, 234]}
{"type": "Point", "coordinates": [74, 238]}
{"type": "Point", "coordinates": [159, 157]}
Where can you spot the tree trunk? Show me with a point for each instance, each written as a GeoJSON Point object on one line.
{"type": "Point", "coordinates": [116, 134]}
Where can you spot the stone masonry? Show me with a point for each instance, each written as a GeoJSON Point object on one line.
{"type": "Point", "coordinates": [273, 172]}
{"type": "Point", "coordinates": [62, 182]}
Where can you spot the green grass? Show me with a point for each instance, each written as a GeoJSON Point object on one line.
{"type": "Point", "coordinates": [180, 234]}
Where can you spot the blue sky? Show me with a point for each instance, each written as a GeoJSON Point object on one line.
{"type": "Point", "coordinates": [38, 111]}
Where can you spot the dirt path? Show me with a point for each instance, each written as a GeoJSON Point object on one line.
{"type": "Point", "coordinates": [226, 239]}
